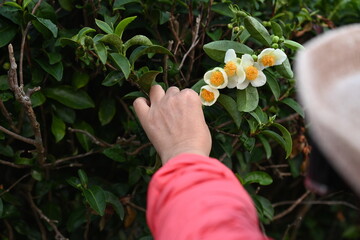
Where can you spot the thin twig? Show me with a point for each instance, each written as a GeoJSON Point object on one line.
{"type": "Point", "coordinates": [319, 202]}
{"type": "Point", "coordinates": [7, 115]}
{"type": "Point", "coordinates": [23, 40]}
{"type": "Point", "coordinates": [94, 139]}
{"type": "Point", "coordinates": [14, 165]}
{"type": "Point", "coordinates": [17, 136]}
{"type": "Point", "coordinates": [61, 160]}
{"type": "Point", "coordinates": [136, 151]}
{"type": "Point", "coordinates": [136, 206]}
{"type": "Point", "coordinates": [292, 207]}
{"type": "Point", "coordinates": [14, 184]}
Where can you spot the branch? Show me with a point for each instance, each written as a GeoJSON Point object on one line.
{"type": "Point", "coordinates": [14, 184]}
{"type": "Point", "coordinates": [94, 139]}
{"type": "Point", "coordinates": [25, 101]}
{"type": "Point", "coordinates": [7, 115]}
{"type": "Point", "coordinates": [319, 202]}
{"type": "Point", "coordinates": [17, 136]}
{"type": "Point", "coordinates": [61, 160]}
{"type": "Point", "coordinates": [292, 207]}
{"type": "Point", "coordinates": [139, 149]}
{"type": "Point", "coordinates": [14, 165]}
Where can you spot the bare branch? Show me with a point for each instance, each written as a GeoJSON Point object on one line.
{"type": "Point", "coordinates": [94, 139]}
{"type": "Point", "coordinates": [293, 206]}
{"type": "Point", "coordinates": [17, 136]}
{"type": "Point", "coordinates": [139, 149]}
{"type": "Point", "coordinates": [61, 160]}
{"type": "Point", "coordinates": [14, 184]}
{"type": "Point", "coordinates": [14, 165]}
{"type": "Point", "coordinates": [319, 202]}
{"type": "Point", "coordinates": [7, 115]}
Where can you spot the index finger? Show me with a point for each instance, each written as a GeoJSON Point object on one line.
{"type": "Point", "coordinates": [141, 107]}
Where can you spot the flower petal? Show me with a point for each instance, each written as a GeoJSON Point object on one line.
{"type": "Point", "coordinates": [280, 56]}
{"type": "Point", "coordinates": [212, 90]}
{"type": "Point", "coordinates": [246, 61]}
{"type": "Point", "coordinates": [242, 85]}
{"type": "Point", "coordinates": [230, 55]}
{"type": "Point", "coordinates": [260, 80]}
{"type": "Point", "coordinates": [208, 74]}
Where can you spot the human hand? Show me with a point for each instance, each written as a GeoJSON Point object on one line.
{"type": "Point", "coordinates": [174, 122]}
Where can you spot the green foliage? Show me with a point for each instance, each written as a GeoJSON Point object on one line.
{"type": "Point", "coordinates": [83, 159]}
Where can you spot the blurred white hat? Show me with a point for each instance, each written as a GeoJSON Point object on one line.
{"type": "Point", "coordinates": [328, 82]}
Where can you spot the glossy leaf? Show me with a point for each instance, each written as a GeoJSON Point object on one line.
{"type": "Point", "coordinates": [286, 136]}
{"type": "Point", "coordinates": [68, 5]}
{"type": "Point", "coordinates": [137, 40]}
{"type": "Point", "coordinates": [76, 99]}
{"type": "Point", "coordinates": [277, 29]}
{"type": "Point", "coordinates": [37, 99]}
{"type": "Point", "coordinates": [42, 23]}
{"type": "Point", "coordinates": [197, 86]}
{"type": "Point", "coordinates": [231, 107]}
{"type": "Point", "coordinates": [293, 45]}
{"type": "Point", "coordinates": [122, 63]}
{"type": "Point", "coordinates": [266, 145]}
{"type": "Point", "coordinates": [115, 153]}
{"type": "Point", "coordinates": [294, 105]}
{"type": "Point", "coordinates": [80, 79]}
{"type": "Point", "coordinates": [259, 177]}
{"type": "Point", "coordinates": [26, 3]}
{"type": "Point", "coordinates": [272, 82]}
{"type": "Point", "coordinates": [216, 50]}
{"type": "Point", "coordinates": [257, 30]}
{"type": "Point", "coordinates": [114, 40]}
{"type": "Point", "coordinates": [58, 128]}
{"type": "Point", "coordinates": [7, 33]}
{"type": "Point", "coordinates": [265, 206]}
{"type": "Point", "coordinates": [6, 150]}
{"type": "Point", "coordinates": [113, 78]}
{"type": "Point", "coordinates": [95, 197]}
{"type": "Point", "coordinates": [285, 69]}
{"type": "Point", "coordinates": [142, 50]}
{"type": "Point", "coordinates": [83, 178]}
{"type": "Point", "coordinates": [104, 26]}
{"type": "Point", "coordinates": [147, 80]}
{"type": "Point", "coordinates": [119, 30]}
{"type": "Point", "coordinates": [247, 99]}
{"type": "Point", "coordinates": [107, 110]}
{"type": "Point", "coordinates": [101, 51]}
{"type": "Point", "coordinates": [115, 202]}
{"type": "Point", "coordinates": [83, 138]}
{"type": "Point", "coordinates": [275, 136]}
{"type": "Point", "coordinates": [56, 70]}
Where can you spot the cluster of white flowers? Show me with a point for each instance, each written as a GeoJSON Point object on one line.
{"type": "Point", "coordinates": [239, 73]}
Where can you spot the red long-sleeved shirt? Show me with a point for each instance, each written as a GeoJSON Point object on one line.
{"type": "Point", "coordinates": [193, 197]}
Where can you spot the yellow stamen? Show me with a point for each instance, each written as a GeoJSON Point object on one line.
{"type": "Point", "coordinates": [251, 73]}
{"type": "Point", "coordinates": [230, 68]}
{"type": "Point", "coordinates": [207, 95]}
{"type": "Point", "coordinates": [216, 78]}
{"type": "Point", "coordinates": [268, 60]}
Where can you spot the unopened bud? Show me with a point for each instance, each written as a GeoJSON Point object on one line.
{"type": "Point", "coordinates": [275, 45]}
{"type": "Point", "coordinates": [275, 39]}
{"type": "Point", "coordinates": [6, 66]}
{"type": "Point", "coordinates": [255, 57]}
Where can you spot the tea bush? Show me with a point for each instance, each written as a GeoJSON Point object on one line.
{"type": "Point", "coordinates": [74, 160]}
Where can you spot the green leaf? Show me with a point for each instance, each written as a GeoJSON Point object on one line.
{"type": "Point", "coordinates": [96, 198]}
{"type": "Point", "coordinates": [7, 33]}
{"type": "Point", "coordinates": [294, 105]}
{"type": "Point", "coordinates": [68, 115]}
{"type": "Point", "coordinates": [119, 30]}
{"type": "Point", "coordinates": [41, 23]}
{"type": "Point", "coordinates": [13, 4]}
{"type": "Point", "coordinates": [58, 128]}
{"type": "Point", "coordinates": [273, 84]}
{"type": "Point", "coordinates": [266, 207]}
{"type": "Point", "coordinates": [285, 69]}
{"type": "Point", "coordinates": [83, 178]}
{"type": "Point", "coordinates": [137, 40]}
{"type": "Point", "coordinates": [80, 79]}
{"type": "Point", "coordinates": [115, 202]}
{"type": "Point", "coordinates": [257, 30]}
{"type": "Point", "coordinates": [37, 175]}
{"type": "Point", "coordinates": [1, 208]}
{"type": "Point", "coordinates": [259, 177]}
{"type": "Point", "coordinates": [67, 5]}
{"type": "Point", "coordinates": [74, 181]}
{"type": "Point", "coordinates": [113, 78]}
{"type": "Point", "coordinates": [247, 99]}
{"type": "Point", "coordinates": [101, 51]}
{"type": "Point", "coordinates": [114, 40]}
{"type": "Point", "coordinates": [76, 99]}
{"type": "Point", "coordinates": [118, 4]}
{"type": "Point", "coordinates": [76, 219]}
{"type": "Point", "coordinates": [223, 9]}
{"type": "Point", "coordinates": [277, 29]}
{"type": "Point", "coordinates": [26, 3]}
{"type": "Point", "coordinates": [139, 51]}
{"type": "Point", "coordinates": [83, 138]}
{"type": "Point", "coordinates": [56, 70]}
{"type": "Point", "coordinates": [4, 84]}
{"type": "Point", "coordinates": [231, 107]}
{"type": "Point", "coordinates": [197, 86]}
{"type": "Point", "coordinates": [122, 63]}
{"type": "Point", "coordinates": [148, 79]}
{"type": "Point", "coordinates": [134, 95]}
{"type": "Point", "coordinates": [115, 153]}
{"type": "Point", "coordinates": [216, 50]}
{"type": "Point", "coordinates": [293, 45]}
{"type": "Point", "coordinates": [83, 32]}
{"type": "Point", "coordinates": [104, 26]}
{"type": "Point", "coordinates": [107, 111]}
{"type": "Point", "coordinates": [286, 136]}
{"type": "Point", "coordinates": [6, 150]}
{"type": "Point", "coordinates": [275, 136]}
{"type": "Point", "coordinates": [266, 145]}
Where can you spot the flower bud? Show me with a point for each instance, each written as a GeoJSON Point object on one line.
{"type": "Point", "coordinates": [275, 45]}
{"type": "Point", "coordinates": [6, 66]}
{"type": "Point", "coordinates": [275, 39]}
{"type": "Point", "coordinates": [255, 57]}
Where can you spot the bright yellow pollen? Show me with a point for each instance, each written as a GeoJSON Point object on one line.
{"type": "Point", "coordinates": [207, 95]}
{"type": "Point", "coordinates": [268, 60]}
{"type": "Point", "coordinates": [230, 68]}
{"type": "Point", "coordinates": [251, 73]}
{"type": "Point", "coordinates": [216, 78]}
